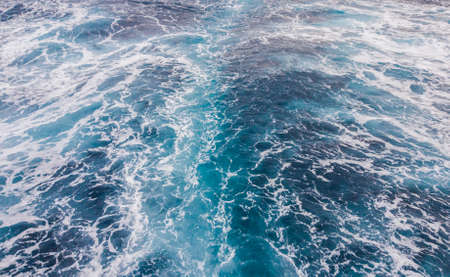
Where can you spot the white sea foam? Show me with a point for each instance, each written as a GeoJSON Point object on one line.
{"type": "Point", "coordinates": [373, 40]}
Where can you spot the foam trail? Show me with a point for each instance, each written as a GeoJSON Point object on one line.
{"type": "Point", "coordinates": [232, 138]}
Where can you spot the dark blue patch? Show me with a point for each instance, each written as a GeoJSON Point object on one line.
{"type": "Point", "coordinates": [13, 12]}
{"type": "Point", "coordinates": [417, 89]}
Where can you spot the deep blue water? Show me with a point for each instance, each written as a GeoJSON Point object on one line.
{"type": "Point", "coordinates": [224, 138]}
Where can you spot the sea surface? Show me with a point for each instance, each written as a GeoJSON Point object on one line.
{"type": "Point", "coordinates": [224, 138]}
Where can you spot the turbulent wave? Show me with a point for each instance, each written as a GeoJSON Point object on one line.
{"type": "Point", "coordinates": [224, 138]}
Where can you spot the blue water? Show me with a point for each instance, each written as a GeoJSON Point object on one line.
{"type": "Point", "coordinates": [224, 138]}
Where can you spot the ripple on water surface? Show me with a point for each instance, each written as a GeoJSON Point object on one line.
{"type": "Point", "coordinates": [233, 138]}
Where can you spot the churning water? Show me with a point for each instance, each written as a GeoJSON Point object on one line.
{"type": "Point", "coordinates": [224, 138]}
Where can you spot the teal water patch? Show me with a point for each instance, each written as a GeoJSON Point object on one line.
{"type": "Point", "coordinates": [62, 124]}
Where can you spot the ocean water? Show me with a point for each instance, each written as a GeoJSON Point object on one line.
{"type": "Point", "coordinates": [224, 138]}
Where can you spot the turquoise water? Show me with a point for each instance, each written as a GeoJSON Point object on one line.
{"type": "Point", "coordinates": [232, 138]}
